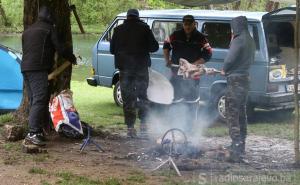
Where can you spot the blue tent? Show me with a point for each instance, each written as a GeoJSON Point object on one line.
{"type": "Point", "coordinates": [11, 80]}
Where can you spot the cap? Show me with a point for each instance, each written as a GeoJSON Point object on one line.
{"type": "Point", "coordinates": [188, 18]}
{"type": "Point", "coordinates": [133, 12]}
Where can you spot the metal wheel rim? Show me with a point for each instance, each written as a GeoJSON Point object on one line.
{"type": "Point", "coordinates": [221, 106]}
{"type": "Point", "coordinates": [119, 96]}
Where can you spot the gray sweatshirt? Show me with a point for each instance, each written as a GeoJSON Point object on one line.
{"type": "Point", "coordinates": [242, 49]}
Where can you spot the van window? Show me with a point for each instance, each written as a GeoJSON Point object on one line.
{"type": "Point", "coordinates": [255, 36]}
{"type": "Point", "coordinates": [163, 29]}
{"type": "Point", "coordinates": [219, 34]}
{"type": "Point", "coordinates": [110, 32]}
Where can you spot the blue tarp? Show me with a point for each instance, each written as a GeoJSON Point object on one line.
{"type": "Point", "coordinates": [11, 80]}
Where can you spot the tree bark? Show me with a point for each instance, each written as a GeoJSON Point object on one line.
{"type": "Point", "coordinates": [296, 92]}
{"type": "Point", "coordinates": [63, 26]}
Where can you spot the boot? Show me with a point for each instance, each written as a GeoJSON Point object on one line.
{"type": "Point", "coordinates": [131, 133]}
{"type": "Point", "coordinates": [143, 128]}
{"type": "Point", "coordinates": [35, 139]}
{"type": "Point", "coordinates": [236, 152]}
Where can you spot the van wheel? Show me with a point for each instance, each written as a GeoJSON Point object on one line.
{"type": "Point", "coordinates": [117, 94]}
{"type": "Point", "coordinates": [218, 106]}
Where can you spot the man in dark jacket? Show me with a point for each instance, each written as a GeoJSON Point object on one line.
{"type": "Point", "coordinates": [131, 44]}
{"type": "Point", "coordinates": [236, 68]}
{"type": "Point", "coordinates": [39, 43]}
{"type": "Point", "coordinates": [187, 43]}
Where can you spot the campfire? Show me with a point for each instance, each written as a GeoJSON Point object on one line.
{"type": "Point", "coordinates": [175, 151]}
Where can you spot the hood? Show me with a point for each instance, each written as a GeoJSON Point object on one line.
{"type": "Point", "coordinates": [239, 24]}
{"type": "Point", "coordinates": [45, 15]}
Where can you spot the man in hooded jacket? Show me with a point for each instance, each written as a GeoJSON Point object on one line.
{"type": "Point", "coordinates": [236, 69]}
{"type": "Point", "coordinates": [39, 43]}
{"type": "Point", "coordinates": [131, 44]}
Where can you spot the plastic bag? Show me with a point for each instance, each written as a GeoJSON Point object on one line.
{"type": "Point", "coordinates": [64, 116]}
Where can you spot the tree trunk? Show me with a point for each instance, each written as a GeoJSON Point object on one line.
{"type": "Point", "coordinates": [63, 26]}
{"type": "Point", "coordinates": [296, 82]}
{"type": "Point", "coordinates": [3, 14]}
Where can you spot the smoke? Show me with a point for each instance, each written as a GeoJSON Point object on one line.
{"type": "Point", "coordinates": [182, 116]}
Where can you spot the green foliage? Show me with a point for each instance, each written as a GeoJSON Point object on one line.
{"type": "Point", "coordinates": [5, 118]}
{"type": "Point", "coordinates": [101, 12]}
{"type": "Point", "coordinates": [161, 4]}
{"type": "Point", "coordinates": [14, 12]}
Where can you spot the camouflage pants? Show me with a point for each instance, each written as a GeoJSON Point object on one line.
{"type": "Point", "coordinates": [134, 86]}
{"type": "Point", "coordinates": [236, 98]}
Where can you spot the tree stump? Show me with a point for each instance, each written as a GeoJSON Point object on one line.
{"type": "Point", "coordinates": [13, 132]}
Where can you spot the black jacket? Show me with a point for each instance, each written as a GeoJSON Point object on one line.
{"type": "Point", "coordinates": [242, 49]}
{"type": "Point", "coordinates": [131, 44]}
{"type": "Point", "coordinates": [39, 43]}
{"type": "Point", "coordinates": [193, 49]}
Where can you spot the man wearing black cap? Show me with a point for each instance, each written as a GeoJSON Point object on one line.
{"type": "Point", "coordinates": [187, 43]}
{"type": "Point", "coordinates": [131, 44]}
{"type": "Point", "coordinates": [39, 43]}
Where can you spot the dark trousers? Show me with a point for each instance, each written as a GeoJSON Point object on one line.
{"type": "Point", "coordinates": [134, 84]}
{"type": "Point", "coordinates": [236, 99]}
{"type": "Point", "coordinates": [189, 90]}
{"type": "Point", "coordinates": [36, 83]}
{"type": "Point", "coordinates": [185, 88]}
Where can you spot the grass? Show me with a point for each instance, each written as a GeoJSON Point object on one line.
{"type": "Point", "coordinates": [277, 124]}
{"type": "Point", "coordinates": [136, 177]}
{"type": "Point", "coordinates": [248, 178]}
{"type": "Point", "coordinates": [69, 178]}
{"type": "Point", "coordinates": [96, 106]}
{"type": "Point", "coordinates": [36, 170]}
{"type": "Point", "coordinates": [11, 146]}
{"type": "Point", "coordinates": [5, 118]}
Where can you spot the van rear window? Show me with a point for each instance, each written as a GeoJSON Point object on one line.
{"type": "Point", "coordinates": [219, 34]}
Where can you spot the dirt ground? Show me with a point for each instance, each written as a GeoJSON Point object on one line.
{"type": "Point", "coordinates": [266, 157]}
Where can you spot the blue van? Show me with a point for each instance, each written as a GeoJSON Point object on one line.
{"type": "Point", "coordinates": [271, 74]}
{"type": "Point", "coordinates": [11, 80]}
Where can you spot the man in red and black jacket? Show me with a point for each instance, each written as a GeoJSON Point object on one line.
{"type": "Point", "coordinates": [190, 44]}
